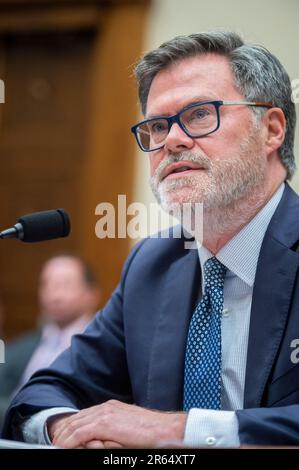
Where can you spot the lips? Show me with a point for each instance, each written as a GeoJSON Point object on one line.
{"type": "Point", "coordinates": [179, 167]}
{"type": "Point", "coordinates": [182, 168]}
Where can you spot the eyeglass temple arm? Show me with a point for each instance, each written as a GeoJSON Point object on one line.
{"type": "Point", "coordinates": [249, 103]}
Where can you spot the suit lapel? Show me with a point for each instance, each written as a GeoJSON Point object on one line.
{"type": "Point", "coordinates": [270, 306]}
{"type": "Point", "coordinates": [272, 294]}
{"type": "Point", "coordinates": [166, 370]}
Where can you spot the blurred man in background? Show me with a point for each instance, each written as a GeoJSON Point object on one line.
{"type": "Point", "coordinates": [68, 296]}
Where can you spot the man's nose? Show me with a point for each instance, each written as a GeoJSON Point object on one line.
{"type": "Point", "coordinates": [177, 139]}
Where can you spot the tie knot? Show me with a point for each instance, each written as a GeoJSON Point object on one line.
{"type": "Point", "coordinates": [214, 273]}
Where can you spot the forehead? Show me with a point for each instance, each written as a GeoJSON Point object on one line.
{"type": "Point", "coordinates": [61, 267]}
{"type": "Point", "coordinates": [208, 76]}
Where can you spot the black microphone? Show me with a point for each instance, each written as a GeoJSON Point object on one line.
{"type": "Point", "coordinates": [40, 226]}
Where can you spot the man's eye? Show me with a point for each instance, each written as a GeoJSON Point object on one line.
{"type": "Point", "coordinates": [199, 113]}
{"type": "Point", "coordinates": [157, 127]}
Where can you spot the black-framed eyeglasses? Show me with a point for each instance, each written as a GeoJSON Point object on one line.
{"type": "Point", "coordinates": [196, 120]}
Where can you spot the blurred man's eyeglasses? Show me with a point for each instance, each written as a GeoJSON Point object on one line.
{"type": "Point", "coordinates": [196, 120]}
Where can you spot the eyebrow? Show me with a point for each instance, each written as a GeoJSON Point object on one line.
{"type": "Point", "coordinates": [194, 100]}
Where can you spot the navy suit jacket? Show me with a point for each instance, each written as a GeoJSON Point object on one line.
{"type": "Point", "coordinates": [17, 355]}
{"type": "Point", "coordinates": [134, 349]}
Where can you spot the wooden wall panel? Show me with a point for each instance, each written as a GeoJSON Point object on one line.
{"type": "Point", "coordinates": [42, 149]}
{"type": "Point", "coordinates": [65, 142]}
{"type": "Point", "coordinates": [109, 164]}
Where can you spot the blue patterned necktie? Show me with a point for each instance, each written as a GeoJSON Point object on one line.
{"type": "Point", "coordinates": [202, 387]}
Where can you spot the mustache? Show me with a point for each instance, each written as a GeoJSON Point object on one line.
{"type": "Point", "coordinates": [202, 160]}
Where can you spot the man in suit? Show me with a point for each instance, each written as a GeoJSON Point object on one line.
{"type": "Point", "coordinates": [67, 296]}
{"type": "Point", "coordinates": [194, 345]}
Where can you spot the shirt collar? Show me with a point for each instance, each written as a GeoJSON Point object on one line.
{"type": "Point", "coordinates": [240, 254]}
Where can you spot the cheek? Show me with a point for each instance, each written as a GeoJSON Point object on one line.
{"type": "Point", "coordinates": [211, 147]}
{"type": "Point", "coordinates": [218, 145]}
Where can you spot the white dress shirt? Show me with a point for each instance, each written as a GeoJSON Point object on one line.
{"type": "Point", "coordinates": [240, 255]}
{"type": "Point", "coordinates": [218, 428]}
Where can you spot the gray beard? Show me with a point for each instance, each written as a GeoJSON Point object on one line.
{"type": "Point", "coordinates": [223, 183]}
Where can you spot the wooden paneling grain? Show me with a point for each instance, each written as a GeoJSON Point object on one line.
{"type": "Point", "coordinates": [109, 164]}
{"type": "Point", "coordinates": [64, 137]}
{"type": "Point", "coordinates": [40, 160]}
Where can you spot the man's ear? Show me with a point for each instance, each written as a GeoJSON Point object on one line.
{"type": "Point", "coordinates": [275, 126]}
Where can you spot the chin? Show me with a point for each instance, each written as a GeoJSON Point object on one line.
{"type": "Point", "coordinates": [181, 196]}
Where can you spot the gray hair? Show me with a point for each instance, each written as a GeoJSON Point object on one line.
{"type": "Point", "coordinates": [259, 76]}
